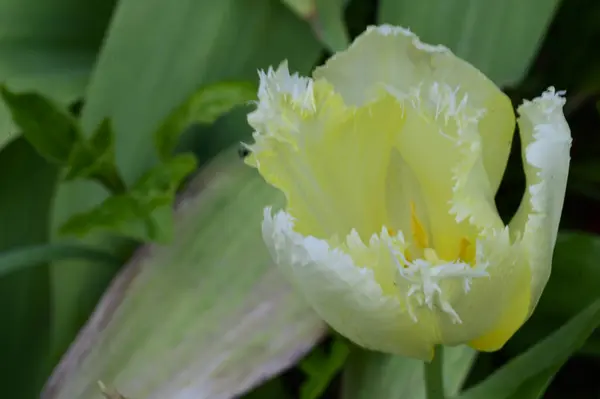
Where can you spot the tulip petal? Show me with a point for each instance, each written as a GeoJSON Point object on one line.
{"type": "Point", "coordinates": [329, 159]}
{"type": "Point", "coordinates": [447, 102]}
{"type": "Point", "coordinates": [345, 294]}
{"type": "Point", "coordinates": [546, 142]}
{"type": "Point", "coordinates": [395, 57]}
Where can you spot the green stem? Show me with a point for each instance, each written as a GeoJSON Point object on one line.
{"type": "Point", "coordinates": [434, 379]}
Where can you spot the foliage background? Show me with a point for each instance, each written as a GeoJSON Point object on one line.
{"type": "Point", "coordinates": [135, 62]}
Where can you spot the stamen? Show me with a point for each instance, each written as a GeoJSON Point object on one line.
{"type": "Point", "coordinates": [424, 278]}
{"type": "Point", "coordinates": [465, 250]}
{"type": "Point", "coordinates": [418, 231]}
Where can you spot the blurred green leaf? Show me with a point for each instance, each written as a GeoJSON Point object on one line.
{"type": "Point", "coordinates": [49, 46]}
{"type": "Point", "coordinates": [27, 182]}
{"type": "Point", "coordinates": [139, 213]}
{"type": "Point", "coordinates": [329, 24]}
{"type": "Point", "coordinates": [575, 265]}
{"type": "Point", "coordinates": [206, 316]}
{"type": "Point", "coordinates": [144, 71]}
{"type": "Point", "coordinates": [500, 38]}
{"type": "Point", "coordinates": [48, 127]}
{"type": "Point", "coordinates": [377, 375]}
{"type": "Point", "coordinates": [575, 22]}
{"type": "Point", "coordinates": [32, 256]}
{"type": "Point", "coordinates": [527, 376]}
{"type": "Point", "coordinates": [321, 368]}
{"type": "Point", "coordinates": [204, 106]}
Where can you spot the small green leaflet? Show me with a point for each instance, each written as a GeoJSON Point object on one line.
{"type": "Point", "coordinates": [320, 368]}
{"type": "Point", "coordinates": [49, 129]}
{"type": "Point", "coordinates": [57, 136]}
{"type": "Point", "coordinates": [145, 211]}
{"type": "Point", "coordinates": [204, 106]}
{"type": "Point", "coordinates": [528, 375]}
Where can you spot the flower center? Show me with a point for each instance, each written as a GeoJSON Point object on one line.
{"type": "Point", "coordinates": [426, 274]}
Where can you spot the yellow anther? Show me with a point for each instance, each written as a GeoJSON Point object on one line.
{"type": "Point", "coordinates": [407, 255]}
{"type": "Point", "coordinates": [466, 251]}
{"type": "Point", "coordinates": [391, 232]}
{"type": "Point", "coordinates": [418, 231]}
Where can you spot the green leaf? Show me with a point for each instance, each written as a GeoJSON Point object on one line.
{"type": "Point", "coordinates": [49, 128]}
{"type": "Point", "coordinates": [329, 24]}
{"type": "Point", "coordinates": [320, 368]}
{"type": "Point", "coordinates": [527, 376]}
{"type": "Point", "coordinates": [499, 38]}
{"type": "Point", "coordinates": [204, 106]}
{"type": "Point", "coordinates": [209, 305]}
{"type": "Point", "coordinates": [144, 71]}
{"type": "Point", "coordinates": [56, 135]}
{"type": "Point", "coordinates": [143, 213]}
{"type": "Point", "coordinates": [39, 51]}
{"type": "Point", "coordinates": [27, 182]}
{"type": "Point", "coordinates": [377, 375]}
{"type": "Point", "coordinates": [95, 159]}
{"type": "Point", "coordinates": [32, 256]}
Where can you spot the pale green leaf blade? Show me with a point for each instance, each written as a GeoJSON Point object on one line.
{"type": "Point", "coordinates": [155, 55]}
{"type": "Point", "coordinates": [526, 376]}
{"type": "Point", "coordinates": [209, 305]}
{"type": "Point", "coordinates": [377, 375]}
{"type": "Point", "coordinates": [501, 38]}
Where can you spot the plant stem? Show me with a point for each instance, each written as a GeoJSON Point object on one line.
{"type": "Point", "coordinates": [434, 379]}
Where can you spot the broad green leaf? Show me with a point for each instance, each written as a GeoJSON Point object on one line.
{"type": "Point", "coordinates": [130, 85]}
{"type": "Point", "coordinates": [155, 55]}
{"type": "Point", "coordinates": [575, 265]}
{"type": "Point", "coordinates": [326, 18]}
{"type": "Point", "coordinates": [320, 368]}
{"type": "Point", "coordinates": [142, 213]}
{"type": "Point", "coordinates": [203, 106]}
{"type": "Point", "coordinates": [527, 376]}
{"type": "Point", "coordinates": [27, 183]}
{"type": "Point", "coordinates": [95, 159]}
{"type": "Point", "coordinates": [377, 375]}
{"type": "Point", "coordinates": [500, 38]}
{"type": "Point", "coordinates": [49, 46]}
{"type": "Point", "coordinates": [48, 127]}
{"type": "Point", "coordinates": [32, 256]}
{"type": "Point", "coordinates": [206, 316]}
{"type": "Point", "coordinates": [329, 24]}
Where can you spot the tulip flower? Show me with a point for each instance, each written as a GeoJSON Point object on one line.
{"type": "Point", "coordinates": [390, 157]}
